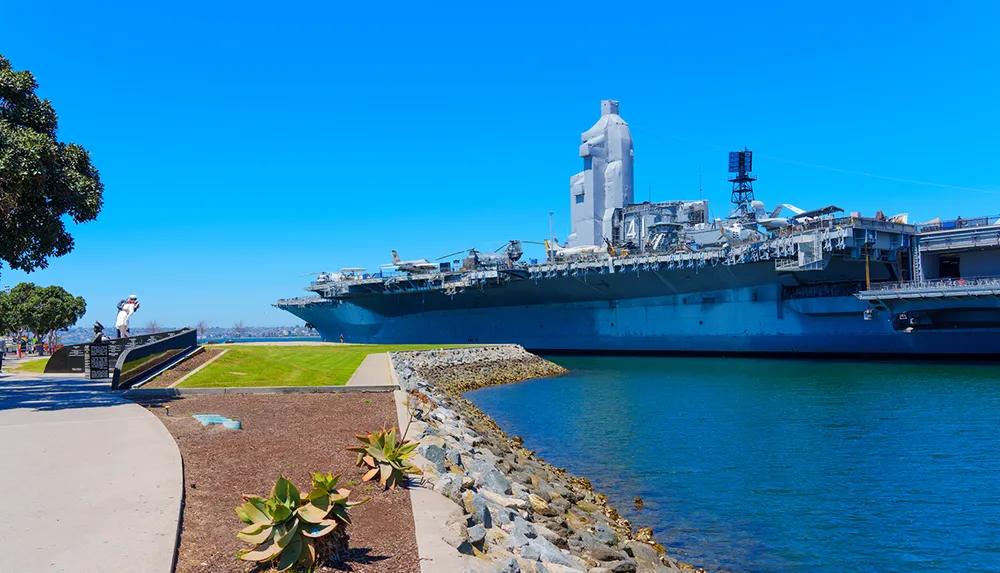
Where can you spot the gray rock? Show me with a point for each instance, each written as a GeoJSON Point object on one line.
{"type": "Point", "coordinates": [524, 528]}
{"type": "Point", "coordinates": [560, 505]}
{"type": "Point", "coordinates": [509, 566]}
{"type": "Point", "coordinates": [521, 477]}
{"type": "Point", "coordinates": [563, 491]}
{"type": "Point", "coordinates": [516, 541]}
{"type": "Point", "coordinates": [487, 456]}
{"type": "Point", "coordinates": [454, 456]}
{"type": "Point", "coordinates": [477, 465]}
{"type": "Point", "coordinates": [605, 553]}
{"type": "Point", "coordinates": [543, 490]}
{"type": "Point", "coordinates": [463, 447]}
{"type": "Point", "coordinates": [506, 516]}
{"type": "Point", "coordinates": [531, 553]}
{"type": "Point", "coordinates": [494, 481]}
{"type": "Point", "coordinates": [605, 533]}
{"type": "Point", "coordinates": [481, 511]}
{"type": "Point", "coordinates": [483, 506]}
{"type": "Point", "coordinates": [449, 485]}
{"type": "Point", "coordinates": [549, 553]}
{"type": "Point", "coordinates": [642, 553]}
{"type": "Point", "coordinates": [519, 490]}
{"type": "Point", "coordinates": [626, 566]}
{"type": "Point", "coordinates": [477, 533]}
{"type": "Point", "coordinates": [551, 536]}
{"type": "Point", "coordinates": [434, 454]}
{"type": "Point", "coordinates": [584, 541]}
{"type": "Point", "coordinates": [457, 536]}
{"type": "Point", "coordinates": [556, 568]}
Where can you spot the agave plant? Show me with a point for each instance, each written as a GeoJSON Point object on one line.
{"type": "Point", "coordinates": [386, 457]}
{"type": "Point", "coordinates": [290, 529]}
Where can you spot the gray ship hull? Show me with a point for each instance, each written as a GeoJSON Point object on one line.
{"type": "Point", "coordinates": [664, 312]}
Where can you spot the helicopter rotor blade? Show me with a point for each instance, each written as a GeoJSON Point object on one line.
{"type": "Point", "coordinates": [453, 254]}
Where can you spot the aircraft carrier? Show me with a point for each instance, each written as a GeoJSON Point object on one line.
{"type": "Point", "coordinates": [666, 278]}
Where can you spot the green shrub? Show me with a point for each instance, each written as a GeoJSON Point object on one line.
{"type": "Point", "coordinates": [386, 457]}
{"type": "Point", "coordinates": [289, 529]}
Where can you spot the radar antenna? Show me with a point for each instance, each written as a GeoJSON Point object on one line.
{"type": "Point", "coordinates": [741, 163]}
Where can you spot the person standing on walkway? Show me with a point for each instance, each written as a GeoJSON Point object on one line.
{"type": "Point", "coordinates": [125, 313]}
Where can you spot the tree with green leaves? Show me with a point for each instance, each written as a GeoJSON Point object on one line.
{"type": "Point", "coordinates": [41, 310]}
{"type": "Point", "coordinates": [14, 307]}
{"type": "Point", "coordinates": [41, 179]}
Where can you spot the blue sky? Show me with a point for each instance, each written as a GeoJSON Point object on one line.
{"type": "Point", "coordinates": [245, 144]}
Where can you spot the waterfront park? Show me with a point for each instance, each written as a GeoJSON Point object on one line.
{"type": "Point", "coordinates": [782, 390]}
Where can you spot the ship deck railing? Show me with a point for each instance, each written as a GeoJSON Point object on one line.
{"type": "Point", "coordinates": [959, 223]}
{"type": "Point", "coordinates": [299, 301]}
{"type": "Point", "coordinates": [959, 239]}
{"type": "Point", "coordinates": [938, 288]}
{"type": "Point", "coordinates": [862, 222]}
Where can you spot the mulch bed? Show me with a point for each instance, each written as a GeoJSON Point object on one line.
{"type": "Point", "coordinates": [290, 436]}
{"type": "Point", "coordinates": [182, 369]}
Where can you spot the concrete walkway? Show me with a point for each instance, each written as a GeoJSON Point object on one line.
{"type": "Point", "coordinates": [373, 371]}
{"type": "Point", "coordinates": [93, 482]}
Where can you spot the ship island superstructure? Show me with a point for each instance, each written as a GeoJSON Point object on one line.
{"type": "Point", "coordinates": [665, 277]}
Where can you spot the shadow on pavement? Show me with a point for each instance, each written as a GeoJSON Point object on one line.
{"type": "Point", "coordinates": [49, 393]}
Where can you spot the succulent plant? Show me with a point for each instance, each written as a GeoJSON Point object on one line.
{"type": "Point", "coordinates": [386, 457]}
{"type": "Point", "coordinates": [290, 529]}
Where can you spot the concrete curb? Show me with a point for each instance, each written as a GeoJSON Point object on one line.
{"type": "Point", "coordinates": [431, 512]}
{"type": "Point", "coordinates": [180, 392]}
{"type": "Point", "coordinates": [198, 369]}
{"type": "Point", "coordinates": [392, 370]}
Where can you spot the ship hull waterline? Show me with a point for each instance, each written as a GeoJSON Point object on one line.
{"type": "Point", "coordinates": [828, 326]}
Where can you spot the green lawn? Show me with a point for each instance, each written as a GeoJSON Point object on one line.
{"type": "Point", "coordinates": [290, 365]}
{"type": "Point", "coordinates": [36, 366]}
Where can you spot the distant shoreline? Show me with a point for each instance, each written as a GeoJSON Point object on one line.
{"type": "Point", "coordinates": [233, 340]}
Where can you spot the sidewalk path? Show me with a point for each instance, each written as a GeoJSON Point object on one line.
{"type": "Point", "coordinates": [373, 371]}
{"type": "Point", "coordinates": [94, 482]}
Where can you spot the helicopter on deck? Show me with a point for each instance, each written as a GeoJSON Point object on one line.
{"type": "Point", "coordinates": [504, 256]}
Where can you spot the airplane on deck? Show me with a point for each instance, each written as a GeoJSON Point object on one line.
{"type": "Point", "coordinates": [415, 266]}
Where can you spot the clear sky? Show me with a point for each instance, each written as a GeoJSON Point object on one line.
{"type": "Point", "coordinates": [244, 144]}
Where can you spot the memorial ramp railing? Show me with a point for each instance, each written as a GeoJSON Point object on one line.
{"type": "Point", "coordinates": [138, 362]}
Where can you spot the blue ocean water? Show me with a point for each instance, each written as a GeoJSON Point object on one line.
{"type": "Point", "coordinates": [754, 465]}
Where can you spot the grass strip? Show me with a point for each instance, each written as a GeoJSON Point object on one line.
{"type": "Point", "coordinates": [33, 366]}
{"type": "Point", "coordinates": [282, 365]}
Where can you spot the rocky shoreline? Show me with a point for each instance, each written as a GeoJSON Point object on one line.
{"type": "Point", "coordinates": [522, 515]}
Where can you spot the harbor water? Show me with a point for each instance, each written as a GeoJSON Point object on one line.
{"type": "Point", "coordinates": [754, 465]}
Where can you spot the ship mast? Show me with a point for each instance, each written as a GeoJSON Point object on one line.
{"type": "Point", "coordinates": [741, 163]}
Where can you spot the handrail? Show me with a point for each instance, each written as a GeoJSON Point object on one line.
{"type": "Point", "coordinates": [124, 377]}
{"type": "Point", "coordinates": [959, 223]}
{"type": "Point", "coordinates": [938, 284]}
